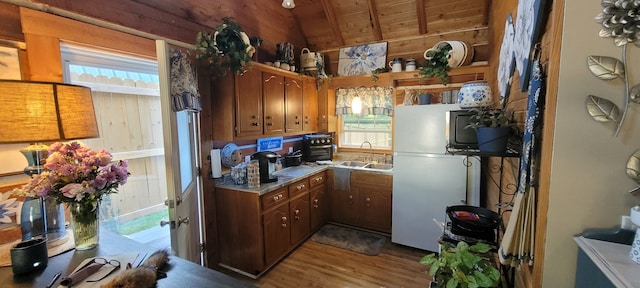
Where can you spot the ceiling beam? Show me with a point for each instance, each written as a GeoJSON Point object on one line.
{"type": "Point", "coordinates": [375, 23]}
{"type": "Point", "coordinates": [422, 17]}
{"type": "Point", "coordinates": [333, 22]}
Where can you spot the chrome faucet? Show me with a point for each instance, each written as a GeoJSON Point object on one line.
{"type": "Point", "coordinates": [370, 149]}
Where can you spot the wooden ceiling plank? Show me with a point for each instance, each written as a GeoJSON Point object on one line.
{"type": "Point", "coordinates": [422, 17]}
{"type": "Point", "coordinates": [375, 23]}
{"type": "Point", "coordinates": [333, 21]}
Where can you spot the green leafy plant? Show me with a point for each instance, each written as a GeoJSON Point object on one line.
{"type": "Point", "coordinates": [462, 266]}
{"type": "Point", "coordinates": [228, 48]}
{"type": "Point", "coordinates": [374, 73]}
{"type": "Point", "coordinates": [437, 65]}
{"type": "Point", "coordinates": [484, 117]}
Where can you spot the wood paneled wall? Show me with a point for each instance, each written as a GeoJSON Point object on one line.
{"type": "Point", "coordinates": [526, 277]}
{"type": "Point", "coordinates": [266, 19]}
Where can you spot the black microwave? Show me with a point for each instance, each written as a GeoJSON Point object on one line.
{"type": "Point", "coordinates": [458, 136]}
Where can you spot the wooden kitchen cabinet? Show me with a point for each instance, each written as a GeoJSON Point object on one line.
{"type": "Point", "coordinates": [277, 229]}
{"type": "Point", "coordinates": [300, 221]}
{"type": "Point", "coordinates": [293, 105]}
{"type": "Point", "coordinates": [256, 231]}
{"type": "Point", "coordinates": [273, 97]}
{"type": "Point", "coordinates": [310, 103]}
{"type": "Point", "coordinates": [374, 199]}
{"type": "Point", "coordinates": [248, 91]}
{"type": "Point", "coordinates": [248, 106]}
{"type": "Point", "coordinates": [367, 202]}
{"type": "Point", "coordinates": [319, 201]}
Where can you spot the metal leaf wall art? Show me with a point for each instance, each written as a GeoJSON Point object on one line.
{"type": "Point", "coordinates": [609, 68]}
{"type": "Point", "coordinates": [620, 20]}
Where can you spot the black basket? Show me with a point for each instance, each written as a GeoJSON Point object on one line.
{"type": "Point", "coordinates": [473, 221]}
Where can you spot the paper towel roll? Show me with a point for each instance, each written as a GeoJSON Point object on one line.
{"type": "Point", "coordinates": [216, 169]}
{"type": "Point", "coordinates": [635, 215]}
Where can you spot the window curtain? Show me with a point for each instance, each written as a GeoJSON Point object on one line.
{"type": "Point", "coordinates": [375, 100]}
{"type": "Point", "coordinates": [184, 87]}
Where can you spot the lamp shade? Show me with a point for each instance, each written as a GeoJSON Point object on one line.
{"type": "Point", "coordinates": [33, 112]}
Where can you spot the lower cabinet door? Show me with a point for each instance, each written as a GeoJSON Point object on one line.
{"type": "Point", "coordinates": [277, 229]}
{"type": "Point", "coordinates": [300, 226]}
{"type": "Point", "coordinates": [319, 207]}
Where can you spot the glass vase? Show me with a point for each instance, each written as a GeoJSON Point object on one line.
{"type": "Point", "coordinates": [84, 219]}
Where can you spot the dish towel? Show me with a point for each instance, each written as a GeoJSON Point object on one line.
{"type": "Point", "coordinates": [341, 178]}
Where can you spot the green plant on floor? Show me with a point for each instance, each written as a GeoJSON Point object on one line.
{"type": "Point", "coordinates": [462, 266]}
{"type": "Point", "coordinates": [436, 65]}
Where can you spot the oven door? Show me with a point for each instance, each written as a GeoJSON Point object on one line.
{"type": "Point", "coordinates": [317, 153]}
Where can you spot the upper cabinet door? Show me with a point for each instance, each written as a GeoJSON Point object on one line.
{"type": "Point", "coordinates": [273, 96]}
{"type": "Point", "coordinates": [249, 103]}
{"type": "Point", "coordinates": [310, 106]}
{"type": "Point", "coordinates": [293, 105]}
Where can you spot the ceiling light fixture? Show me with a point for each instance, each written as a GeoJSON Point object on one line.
{"type": "Point", "coordinates": [289, 4]}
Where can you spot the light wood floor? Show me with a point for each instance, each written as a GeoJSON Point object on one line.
{"type": "Point", "coordinates": [317, 265]}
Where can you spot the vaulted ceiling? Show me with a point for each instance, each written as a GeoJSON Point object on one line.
{"type": "Point", "coordinates": [408, 26]}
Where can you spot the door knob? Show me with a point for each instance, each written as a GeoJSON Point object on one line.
{"type": "Point", "coordinates": [165, 223]}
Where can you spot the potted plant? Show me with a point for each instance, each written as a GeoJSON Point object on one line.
{"type": "Point", "coordinates": [436, 64]}
{"type": "Point", "coordinates": [228, 48]}
{"type": "Point", "coordinates": [493, 128]}
{"type": "Point", "coordinates": [462, 266]}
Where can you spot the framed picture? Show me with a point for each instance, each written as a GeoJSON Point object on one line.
{"type": "Point", "coordinates": [362, 59]}
{"type": "Point", "coordinates": [527, 32]}
{"type": "Point", "coordinates": [506, 66]}
{"type": "Point", "coordinates": [13, 161]}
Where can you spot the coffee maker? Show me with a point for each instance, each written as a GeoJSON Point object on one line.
{"type": "Point", "coordinates": [267, 161]}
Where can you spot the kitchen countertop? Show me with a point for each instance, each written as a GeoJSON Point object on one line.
{"type": "Point", "coordinates": [286, 176]}
{"type": "Point", "coordinates": [290, 175]}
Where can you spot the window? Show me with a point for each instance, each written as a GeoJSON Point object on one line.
{"type": "Point", "coordinates": [372, 123]}
{"type": "Point", "coordinates": [373, 128]}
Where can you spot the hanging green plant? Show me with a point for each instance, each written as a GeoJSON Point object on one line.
{"type": "Point", "coordinates": [228, 48]}
{"type": "Point", "coordinates": [436, 64]}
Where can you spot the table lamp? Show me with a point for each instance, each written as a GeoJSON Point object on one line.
{"type": "Point", "coordinates": [36, 112]}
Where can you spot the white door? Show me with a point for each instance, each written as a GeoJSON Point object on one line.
{"type": "Point", "coordinates": [181, 138]}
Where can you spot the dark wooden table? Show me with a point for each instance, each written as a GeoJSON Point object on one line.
{"type": "Point", "coordinates": [180, 272]}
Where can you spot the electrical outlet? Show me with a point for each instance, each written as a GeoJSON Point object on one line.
{"type": "Point", "coordinates": [626, 223]}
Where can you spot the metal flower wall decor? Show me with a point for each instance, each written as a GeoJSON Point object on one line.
{"type": "Point", "coordinates": [620, 20]}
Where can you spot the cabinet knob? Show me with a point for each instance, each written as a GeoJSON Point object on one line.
{"type": "Point", "coordinates": [368, 202]}
{"type": "Point", "coordinates": [284, 224]}
{"type": "Point", "coordinates": [284, 218]}
{"type": "Point", "coordinates": [269, 124]}
{"type": "Point", "coordinates": [254, 124]}
{"type": "Point", "coordinates": [267, 117]}
{"type": "Point", "coordinates": [254, 116]}
{"type": "Point", "coordinates": [318, 179]}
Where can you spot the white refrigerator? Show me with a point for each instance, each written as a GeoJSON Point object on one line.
{"type": "Point", "coordinates": [425, 178]}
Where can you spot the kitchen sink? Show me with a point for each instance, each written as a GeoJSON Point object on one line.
{"type": "Point", "coordinates": [353, 163]}
{"type": "Point", "coordinates": [379, 166]}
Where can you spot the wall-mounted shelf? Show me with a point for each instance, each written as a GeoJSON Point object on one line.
{"type": "Point", "coordinates": [476, 71]}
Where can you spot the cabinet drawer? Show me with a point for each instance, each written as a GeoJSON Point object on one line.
{"type": "Point", "coordinates": [318, 179]}
{"type": "Point", "coordinates": [273, 198]}
{"type": "Point", "coordinates": [298, 187]}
